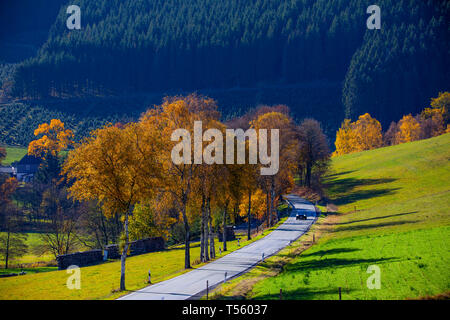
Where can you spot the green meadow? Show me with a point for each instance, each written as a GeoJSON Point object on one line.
{"type": "Point", "coordinates": [13, 154]}
{"type": "Point", "coordinates": [101, 281]}
{"type": "Point", "coordinates": [394, 212]}
{"type": "Point", "coordinates": [30, 258]}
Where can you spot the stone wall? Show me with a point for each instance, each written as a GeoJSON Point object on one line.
{"type": "Point", "coordinates": [137, 247]}
{"type": "Point", "coordinates": [230, 234]}
{"type": "Point", "coordinates": [146, 245]}
{"type": "Point", "coordinates": [96, 256]}
{"type": "Point", "coordinates": [113, 251]}
{"type": "Point", "coordinates": [80, 259]}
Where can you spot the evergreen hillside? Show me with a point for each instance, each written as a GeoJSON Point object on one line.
{"type": "Point", "coordinates": [239, 50]}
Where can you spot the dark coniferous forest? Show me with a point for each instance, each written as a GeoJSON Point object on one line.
{"type": "Point", "coordinates": [318, 57]}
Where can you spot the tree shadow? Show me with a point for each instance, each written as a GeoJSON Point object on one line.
{"type": "Point", "coordinates": [362, 195]}
{"type": "Point", "coordinates": [337, 174]}
{"type": "Point", "coordinates": [321, 253]}
{"type": "Point", "coordinates": [372, 226]}
{"type": "Point", "coordinates": [342, 189]}
{"type": "Point", "coordinates": [346, 184]}
{"type": "Point", "coordinates": [326, 263]}
{"type": "Point", "coordinates": [376, 218]}
{"type": "Point", "coordinates": [306, 293]}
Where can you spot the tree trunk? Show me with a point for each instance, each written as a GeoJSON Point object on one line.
{"type": "Point", "coordinates": [212, 249]}
{"type": "Point", "coordinates": [206, 242]}
{"type": "Point", "coordinates": [224, 223]}
{"type": "Point", "coordinates": [308, 175]}
{"type": "Point", "coordinates": [202, 232]}
{"type": "Point", "coordinates": [272, 202]}
{"type": "Point", "coordinates": [270, 209]}
{"type": "Point", "coordinates": [124, 256]}
{"type": "Point", "coordinates": [7, 250]}
{"type": "Point", "coordinates": [187, 257]}
{"type": "Point", "coordinates": [206, 231]}
{"type": "Point", "coordinates": [267, 207]}
{"type": "Point", "coordinates": [249, 215]}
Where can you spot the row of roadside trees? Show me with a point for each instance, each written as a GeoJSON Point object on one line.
{"type": "Point", "coordinates": [125, 167]}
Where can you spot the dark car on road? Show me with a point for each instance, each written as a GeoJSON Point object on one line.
{"type": "Point", "coordinates": [300, 216]}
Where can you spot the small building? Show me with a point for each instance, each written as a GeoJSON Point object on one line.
{"type": "Point", "coordinates": [9, 170]}
{"type": "Point", "coordinates": [27, 167]}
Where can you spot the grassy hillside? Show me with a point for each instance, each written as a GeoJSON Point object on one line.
{"type": "Point", "coordinates": [13, 154]}
{"type": "Point", "coordinates": [401, 224]}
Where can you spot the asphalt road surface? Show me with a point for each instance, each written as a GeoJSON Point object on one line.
{"type": "Point", "coordinates": [192, 285]}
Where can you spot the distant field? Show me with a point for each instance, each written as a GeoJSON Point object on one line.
{"type": "Point", "coordinates": [402, 224]}
{"type": "Point", "coordinates": [14, 154]}
{"type": "Point", "coordinates": [98, 282]}
{"type": "Point", "coordinates": [32, 241]}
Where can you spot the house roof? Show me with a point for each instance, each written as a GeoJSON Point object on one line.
{"type": "Point", "coordinates": [29, 159]}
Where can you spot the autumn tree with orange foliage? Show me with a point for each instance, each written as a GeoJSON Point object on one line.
{"type": "Point", "coordinates": [345, 139]}
{"type": "Point", "coordinates": [409, 129]}
{"type": "Point", "coordinates": [442, 103]}
{"type": "Point", "coordinates": [431, 122]}
{"type": "Point", "coordinates": [272, 185]}
{"type": "Point", "coordinates": [364, 134]}
{"type": "Point", "coordinates": [178, 179]}
{"type": "Point", "coordinates": [109, 167]}
{"type": "Point", "coordinates": [258, 205]}
{"type": "Point", "coordinates": [368, 134]}
{"type": "Point", "coordinates": [244, 178]}
{"type": "Point", "coordinates": [434, 120]}
{"type": "Point", "coordinates": [7, 189]}
{"type": "Point", "coordinates": [54, 138]}
{"type": "Point", "coordinates": [249, 179]}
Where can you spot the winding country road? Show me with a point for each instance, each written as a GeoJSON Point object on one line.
{"type": "Point", "coordinates": [192, 284]}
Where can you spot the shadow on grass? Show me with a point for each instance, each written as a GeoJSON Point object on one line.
{"type": "Point", "coordinates": [181, 246]}
{"type": "Point", "coordinates": [342, 189]}
{"type": "Point", "coordinates": [376, 218]}
{"type": "Point", "coordinates": [337, 174]}
{"type": "Point", "coordinates": [322, 253]}
{"type": "Point", "coordinates": [363, 195]}
{"type": "Point", "coordinates": [306, 293]}
{"type": "Point", "coordinates": [27, 270]}
{"type": "Point", "coordinates": [331, 263]}
{"type": "Point", "coordinates": [374, 226]}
